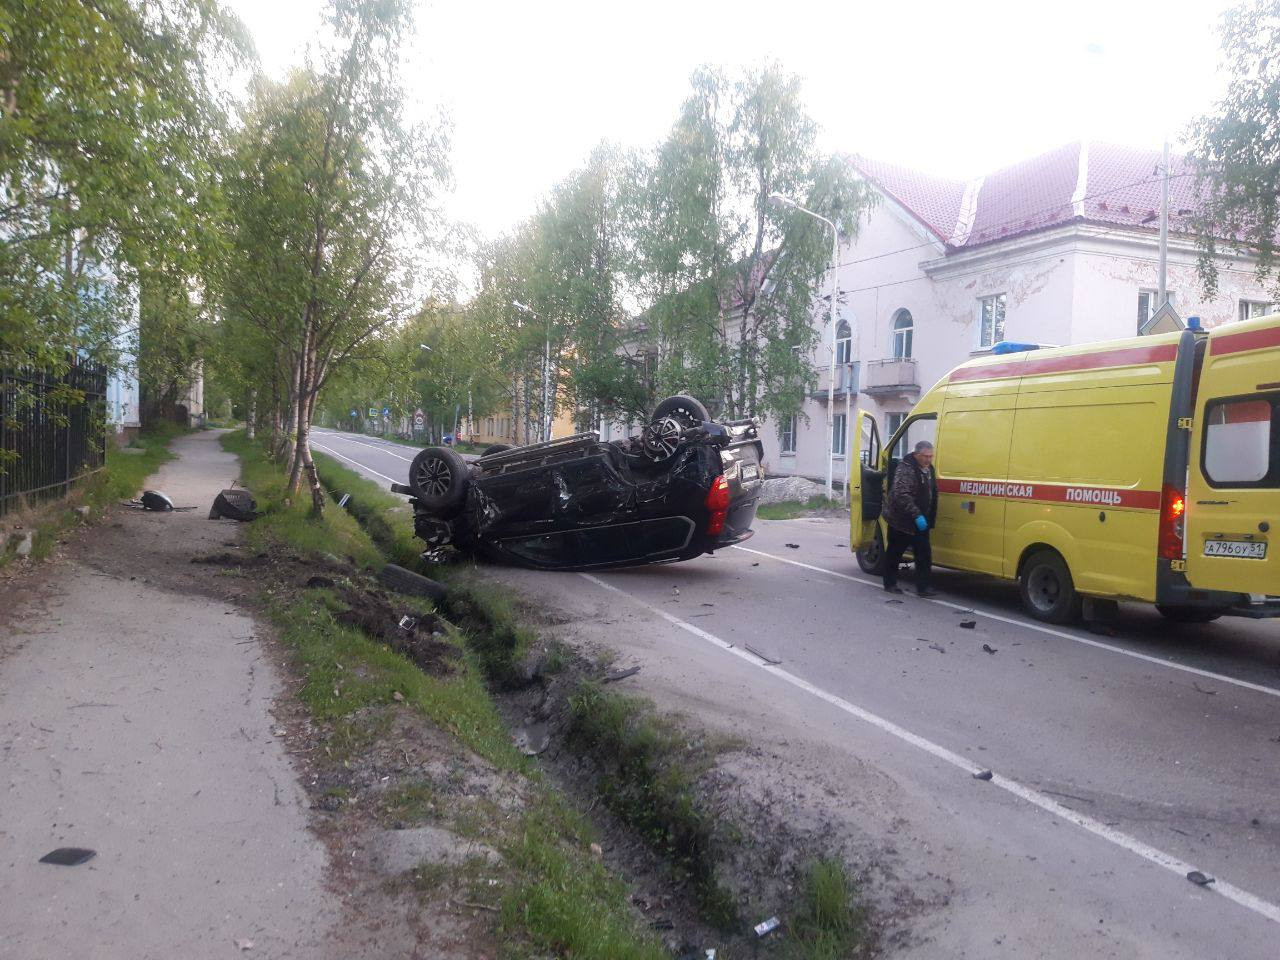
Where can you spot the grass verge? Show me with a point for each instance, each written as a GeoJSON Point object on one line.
{"type": "Point", "coordinates": [557, 899]}
{"type": "Point", "coordinates": [790, 509]}
{"type": "Point", "coordinates": [121, 479]}
{"type": "Point", "coordinates": [830, 924]}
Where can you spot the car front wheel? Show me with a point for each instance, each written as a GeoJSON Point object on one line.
{"type": "Point", "coordinates": [438, 477]}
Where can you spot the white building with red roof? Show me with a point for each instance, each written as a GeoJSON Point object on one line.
{"type": "Point", "coordinates": [1061, 248]}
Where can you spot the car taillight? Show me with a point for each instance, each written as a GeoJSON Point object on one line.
{"type": "Point", "coordinates": [717, 505]}
{"type": "Point", "coordinates": [1172, 507]}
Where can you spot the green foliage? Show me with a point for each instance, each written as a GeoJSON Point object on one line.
{"type": "Point", "coordinates": [385, 517]}
{"type": "Point", "coordinates": [830, 923]}
{"type": "Point", "coordinates": [790, 509]}
{"type": "Point", "coordinates": [109, 123]}
{"type": "Point", "coordinates": [1237, 146]}
{"type": "Point", "coordinates": [647, 768]}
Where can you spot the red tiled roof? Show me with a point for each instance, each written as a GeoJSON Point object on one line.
{"type": "Point", "coordinates": [1121, 187]}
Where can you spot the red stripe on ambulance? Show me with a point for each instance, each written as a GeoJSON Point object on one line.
{"type": "Point", "coordinates": [1123, 357]}
{"type": "Point", "coordinates": [1053, 493]}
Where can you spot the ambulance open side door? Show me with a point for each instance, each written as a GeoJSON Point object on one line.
{"type": "Point", "coordinates": [866, 482]}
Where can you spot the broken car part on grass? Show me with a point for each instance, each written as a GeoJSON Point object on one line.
{"type": "Point", "coordinates": [684, 487]}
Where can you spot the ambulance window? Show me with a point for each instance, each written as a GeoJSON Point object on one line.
{"type": "Point", "coordinates": [918, 428]}
{"type": "Point", "coordinates": [1242, 442]}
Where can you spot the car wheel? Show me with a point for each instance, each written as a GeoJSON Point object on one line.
{"type": "Point", "coordinates": [1188, 614]}
{"type": "Point", "coordinates": [495, 448]}
{"type": "Point", "coordinates": [1048, 592]}
{"type": "Point", "coordinates": [438, 477]}
{"type": "Point", "coordinates": [871, 556]}
{"type": "Point", "coordinates": [685, 409]}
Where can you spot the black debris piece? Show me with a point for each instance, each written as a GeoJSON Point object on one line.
{"type": "Point", "coordinates": [983, 775]}
{"type": "Point", "coordinates": [1196, 877]}
{"type": "Point", "coordinates": [793, 546]}
{"type": "Point", "coordinates": [893, 601]}
{"type": "Point", "coordinates": [937, 646]}
{"type": "Point", "coordinates": [69, 856]}
{"type": "Point", "coordinates": [234, 504]}
{"type": "Point", "coordinates": [397, 578]}
{"type": "Point", "coordinates": [968, 624]}
{"type": "Point", "coordinates": [617, 675]}
{"type": "Point", "coordinates": [155, 500]}
{"type": "Point", "coordinates": [767, 658]}
{"type": "Point", "coordinates": [318, 582]}
{"type": "Point", "coordinates": [756, 564]}
{"type": "Point", "coordinates": [988, 648]}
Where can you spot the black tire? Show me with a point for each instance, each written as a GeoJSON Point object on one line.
{"type": "Point", "coordinates": [685, 409]}
{"type": "Point", "coordinates": [871, 557]}
{"type": "Point", "coordinates": [439, 478]}
{"type": "Point", "coordinates": [1048, 592]}
{"type": "Point", "coordinates": [495, 448]}
{"type": "Point", "coordinates": [1189, 614]}
{"type": "Point", "coordinates": [412, 584]}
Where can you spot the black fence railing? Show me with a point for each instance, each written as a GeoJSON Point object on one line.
{"type": "Point", "coordinates": [52, 430]}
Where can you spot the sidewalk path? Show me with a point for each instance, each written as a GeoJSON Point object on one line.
{"type": "Point", "coordinates": [135, 719]}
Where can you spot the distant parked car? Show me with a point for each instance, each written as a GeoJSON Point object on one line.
{"type": "Point", "coordinates": [686, 486]}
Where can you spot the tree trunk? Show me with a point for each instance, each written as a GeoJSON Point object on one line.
{"type": "Point", "coordinates": [289, 443]}
{"type": "Point", "coordinates": [251, 415]}
{"type": "Point", "coordinates": [301, 404]}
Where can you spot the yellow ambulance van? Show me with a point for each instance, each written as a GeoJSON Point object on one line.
{"type": "Point", "coordinates": [1144, 469]}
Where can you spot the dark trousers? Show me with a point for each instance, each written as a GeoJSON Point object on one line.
{"type": "Point", "coordinates": [918, 543]}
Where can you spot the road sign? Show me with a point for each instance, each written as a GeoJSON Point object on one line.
{"type": "Point", "coordinates": [373, 412]}
{"type": "Point", "coordinates": [386, 412]}
{"type": "Point", "coordinates": [355, 413]}
{"type": "Point", "coordinates": [419, 419]}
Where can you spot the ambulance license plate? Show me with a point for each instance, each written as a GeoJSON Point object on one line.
{"type": "Point", "coordinates": [1248, 549]}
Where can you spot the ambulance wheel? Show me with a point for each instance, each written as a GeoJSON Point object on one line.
{"type": "Point", "coordinates": [1189, 614]}
{"type": "Point", "coordinates": [871, 556]}
{"type": "Point", "coordinates": [1048, 593]}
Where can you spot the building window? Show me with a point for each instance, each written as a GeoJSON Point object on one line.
{"type": "Point", "coordinates": [1148, 304]}
{"type": "Point", "coordinates": [839, 435]}
{"type": "Point", "coordinates": [902, 330]}
{"type": "Point", "coordinates": [844, 343]}
{"type": "Point", "coordinates": [787, 434]}
{"type": "Point", "coordinates": [892, 421]}
{"type": "Point", "coordinates": [1254, 308]}
{"type": "Point", "coordinates": [991, 321]}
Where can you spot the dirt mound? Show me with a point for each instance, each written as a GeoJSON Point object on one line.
{"type": "Point", "coordinates": [418, 636]}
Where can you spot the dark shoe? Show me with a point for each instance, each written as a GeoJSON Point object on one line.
{"type": "Point", "coordinates": [892, 589]}
{"type": "Point", "coordinates": [927, 592]}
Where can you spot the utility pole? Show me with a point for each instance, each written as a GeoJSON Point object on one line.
{"type": "Point", "coordinates": [1163, 291]}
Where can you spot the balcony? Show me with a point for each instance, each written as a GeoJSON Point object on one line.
{"type": "Point", "coordinates": [846, 381]}
{"type": "Point", "coordinates": [892, 378]}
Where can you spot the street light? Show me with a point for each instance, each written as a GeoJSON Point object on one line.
{"type": "Point", "coordinates": [546, 372]}
{"type": "Point", "coordinates": [778, 198]}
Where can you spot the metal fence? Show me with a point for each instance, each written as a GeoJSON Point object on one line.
{"type": "Point", "coordinates": [52, 430]}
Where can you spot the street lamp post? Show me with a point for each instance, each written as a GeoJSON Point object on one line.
{"type": "Point", "coordinates": [835, 295]}
{"type": "Point", "coordinates": [546, 372]}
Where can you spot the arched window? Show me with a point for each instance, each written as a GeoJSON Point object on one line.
{"type": "Point", "coordinates": [844, 342]}
{"type": "Point", "coordinates": [903, 326]}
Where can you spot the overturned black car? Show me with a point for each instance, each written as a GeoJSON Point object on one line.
{"type": "Point", "coordinates": [686, 486]}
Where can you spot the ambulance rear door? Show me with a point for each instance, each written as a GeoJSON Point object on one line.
{"type": "Point", "coordinates": [1232, 505]}
{"type": "Point", "coordinates": [866, 482]}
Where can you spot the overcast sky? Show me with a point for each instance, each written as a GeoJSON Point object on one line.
{"type": "Point", "coordinates": [952, 88]}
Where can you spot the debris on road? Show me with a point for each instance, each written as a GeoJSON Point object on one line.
{"type": "Point", "coordinates": [244, 945]}
{"type": "Point", "coordinates": [968, 624]}
{"type": "Point", "coordinates": [793, 546]}
{"type": "Point", "coordinates": [983, 775]}
{"type": "Point", "coordinates": [988, 648]}
{"type": "Point", "coordinates": [408, 623]}
{"type": "Point", "coordinates": [68, 856]}
{"type": "Point", "coordinates": [234, 504]}
{"type": "Point", "coordinates": [772, 661]}
{"type": "Point", "coordinates": [936, 646]}
{"type": "Point", "coordinates": [1196, 877]}
{"type": "Point", "coordinates": [155, 500]}
{"type": "Point", "coordinates": [767, 926]}
{"type": "Point", "coordinates": [617, 675]}
{"type": "Point", "coordinates": [1211, 693]}
{"type": "Point", "coordinates": [893, 601]}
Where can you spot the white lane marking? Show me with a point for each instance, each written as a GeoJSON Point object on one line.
{"type": "Point", "coordinates": [1149, 853]}
{"type": "Point", "coordinates": [362, 466]}
{"type": "Point", "coordinates": [363, 443]}
{"type": "Point", "coordinates": [1040, 628]}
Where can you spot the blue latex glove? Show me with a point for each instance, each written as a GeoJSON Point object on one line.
{"type": "Point", "coordinates": [922, 524]}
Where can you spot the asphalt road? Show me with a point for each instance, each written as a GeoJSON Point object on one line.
{"type": "Point", "coordinates": [1120, 763]}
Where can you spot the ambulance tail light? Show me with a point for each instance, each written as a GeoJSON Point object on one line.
{"type": "Point", "coordinates": [1173, 507]}
{"type": "Point", "coordinates": [717, 504]}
